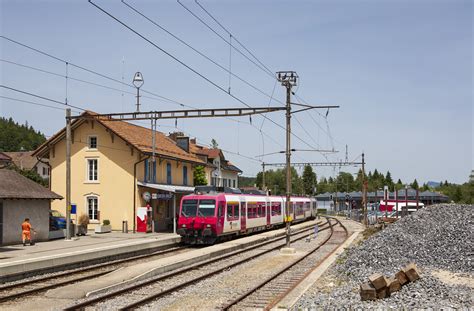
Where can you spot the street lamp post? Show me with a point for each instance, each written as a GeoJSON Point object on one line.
{"type": "Point", "coordinates": [138, 82]}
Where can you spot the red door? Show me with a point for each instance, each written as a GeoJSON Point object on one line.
{"type": "Point", "coordinates": [243, 217]}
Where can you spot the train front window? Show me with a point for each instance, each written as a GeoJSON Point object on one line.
{"type": "Point", "coordinates": [189, 208]}
{"type": "Point", "coordinates": [206, 208]}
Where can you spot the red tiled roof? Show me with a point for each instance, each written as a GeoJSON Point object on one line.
{"type": "Point", "coordinates": [137, 136]}
{"type": "Point", "coordinates": [23, 159]}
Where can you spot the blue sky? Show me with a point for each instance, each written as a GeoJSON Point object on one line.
{"type": "Point", "coordinates": [400, 70]}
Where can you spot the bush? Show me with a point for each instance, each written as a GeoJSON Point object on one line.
{"type": "Point", "coordinates": [106, 222]}
{"type": "Point", "coordinates": [322, 211]}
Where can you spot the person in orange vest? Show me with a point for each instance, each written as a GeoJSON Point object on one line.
{"type": "Point", "coordinates": [26, 229]}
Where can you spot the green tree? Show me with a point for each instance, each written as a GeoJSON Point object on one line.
{"type": "Point", "coordinates": [389, 180]}
{"type": "Point", "coordinates": [214, 144]}
{"type": "Point", "coordinates": [399, 185]}
{"type": "Point", "coordinates": [414, 184]}
{"type": "Point", "coordinates": [16, 137]}
{"type": "Point", "coordinates": [309, 180]}
{"type": "Point", "coordinates": [425, 187]}
{"type": "Point", "coordinates": [246, 181]}
{"type": "Point", "coordinates": [199, 176]}
{"type": "Point", "coordinates": [322, 186]}
{"type": "Point", "coordinates": [345, 182]}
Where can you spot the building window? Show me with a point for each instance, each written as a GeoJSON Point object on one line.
{"type": "Point", "coordinates": [93, 207]}
{"type": "Point", "coordinates": [234, 182]}
{"type": "Point", "coordinates": [44, 171]}
{"type": "Point", "coordinates": [185, 175]}
{"type": "Point", "coordinates": [92, 169]}
{"type": "Point", "coordinates": [168, 173]}
{"type": "Point", "coordinates": [92, 142]}
{"type": "Point", "coordinates": [150, 171]}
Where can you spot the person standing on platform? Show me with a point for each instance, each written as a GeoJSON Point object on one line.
{"type": "Point", "coordinates": [26, 229]}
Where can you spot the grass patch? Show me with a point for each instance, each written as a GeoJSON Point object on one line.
{"type": "Point", "coordinates": [367, 233]}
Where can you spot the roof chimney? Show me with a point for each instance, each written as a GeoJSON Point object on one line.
{"type": "Point", "coordinates": [183, 142]}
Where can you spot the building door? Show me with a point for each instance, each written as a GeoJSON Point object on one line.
{"type": "Point", "coordinates": [1, 223]}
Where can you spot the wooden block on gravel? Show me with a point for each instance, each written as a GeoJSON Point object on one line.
{"type": "Point", "coordinates": [367, 292]}
{"type": "Point", "coordinates": [382, 293]}
{"type": "Point", "coordinates": [411, 272]}
{"type": "Point", "coordinates": [393, 285]}
{"type": "Point", "coordinates": [378, 280]}
{"type": "Point", "coordinates": [401, 277]}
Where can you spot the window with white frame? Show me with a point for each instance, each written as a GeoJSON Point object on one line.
{"type": "Point", "coordinates": [93, 207]}
{"type": "Point", "coordinates": [92, 169]}
{"type": "Point", "coordinates": [92, 142]}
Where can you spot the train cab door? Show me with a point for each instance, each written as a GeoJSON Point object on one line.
{"type": "Point", "coordinates": [243, 216]}
{"type": "Point", "coordinates": [220, 217]}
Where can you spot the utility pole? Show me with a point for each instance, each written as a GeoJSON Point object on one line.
{"type": "Point", "coordinates": [263, 177]}
{"type": "Point", "coordinates": [288, 79]}
{"type": "Point", "coordinates": [288, 162]}
{"type": "Point", "coordinates": [364, 191]}
{"type": "Point", "coordinates": [68, 173]}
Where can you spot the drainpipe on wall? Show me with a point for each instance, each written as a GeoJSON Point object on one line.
{"type": "Point", "coordinates": [135, 189]}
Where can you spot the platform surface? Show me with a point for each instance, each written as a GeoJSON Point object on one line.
{"type": "Point", "coordinates": [18, 258]}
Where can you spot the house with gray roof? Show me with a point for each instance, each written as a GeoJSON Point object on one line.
{"type": "Point", "coordinates": [22, 198]}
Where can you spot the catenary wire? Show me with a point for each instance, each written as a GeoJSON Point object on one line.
{"type": "Point", "coordinates": [225, 40]}
{"type": "Point", "coordinates": [190, 68]}
{"type": "Point", "coordinates": [87, 70]}
{"type": "Point", "coordinates": [229, 71]}
{"type": "Point", "coordinates": [233, 36]}
{"type": "Point", "coordinates": [39, 96]}
{"type": "Point", "coordinates": [99, 85]}
{"type": "Point", "coordinates": [37, 104]}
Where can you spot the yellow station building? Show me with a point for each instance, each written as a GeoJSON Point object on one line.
{"type": "Point", "coordinates": [113, 175]}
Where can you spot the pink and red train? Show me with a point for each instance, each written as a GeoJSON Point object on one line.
{"type": "Point", "coordinates": [207, 218]}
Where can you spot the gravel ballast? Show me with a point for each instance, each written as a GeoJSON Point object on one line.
{"type": "Point", "coordinates": [437, 238]}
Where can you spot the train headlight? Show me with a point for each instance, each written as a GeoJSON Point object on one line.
{"type": "Point", "coordinates": [183, 226]}
{"type": "Point", "coordinates": [208, 226]}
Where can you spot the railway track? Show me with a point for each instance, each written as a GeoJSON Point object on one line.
{"type": "Point", "coordinates": [41, 284]}
{"type": "Point", "coordinates": [267, 293]}
{"type": "Point", "coordinates": [136, 295]}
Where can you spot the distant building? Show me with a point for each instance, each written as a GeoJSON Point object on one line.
{"type": "Point", "coordinates": [327, 200]}
{"type": "Point", "coordinates": [22, 198]}
{"type": "Point", "coordinates": [5, 160]}
{"type": "Point", "coordinates": [222, 172]}
{"type": "Point", "coordinates": [219, 171]}
{"type": "Point", "coordinates": [26, 161]}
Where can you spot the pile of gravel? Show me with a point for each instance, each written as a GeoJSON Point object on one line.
{"type": "Point", "coordinates": [436, 237]}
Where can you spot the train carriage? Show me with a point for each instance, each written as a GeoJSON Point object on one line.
{"type": "Point", "coordinates": [207, 218]}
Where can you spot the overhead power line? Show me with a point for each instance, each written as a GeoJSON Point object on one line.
{"type": "Point", "coordinates": [264, 69]}
{"type": "Point", "coordinates": [197, 51]}
{"type": "Point", "coordinates": [88, 70]}
{"type": "Point", "coordinates": [235, 38]}
{"type": "Point", "coordinates": [189, 67]}
{"type": "Point", "coordinates": [39, 96]}
{"type": "Point", "coordinates": [36, 104]}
